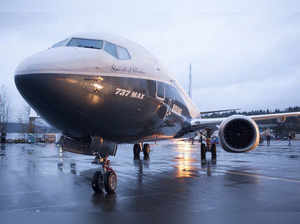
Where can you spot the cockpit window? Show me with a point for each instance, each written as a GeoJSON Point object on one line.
{"type": "Point", "coordinates": [123, 53]}
{"type": "Point", "coordinates": [116, 51]}
{"type": "Point", "coordinates": [111, 49]}
{"type": "Point", "coordinates": [61, 43]}
{"type": "Point", "coordinates": [87, 43]}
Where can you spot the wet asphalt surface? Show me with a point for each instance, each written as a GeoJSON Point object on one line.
{"type": "Point", "coordinates": [38, 178]}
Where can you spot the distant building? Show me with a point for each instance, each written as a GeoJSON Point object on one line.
{"type": "Point", "coordinates": [297, 136]}
{"type": "Point", "coordinates": [23, 132]}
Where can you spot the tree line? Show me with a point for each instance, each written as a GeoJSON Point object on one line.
{"type": "Point", "coordinates": [252, 112]}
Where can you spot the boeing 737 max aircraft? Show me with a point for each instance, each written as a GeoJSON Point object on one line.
{"type": "Point", "coordinates": [102, 90]}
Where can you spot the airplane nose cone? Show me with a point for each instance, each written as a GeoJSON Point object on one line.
{"type": "Point", "coordinates": [39, 90]}
{"type": "Point", "coordinates": [62, 60]}
{"type": "Point", "coordinates": [55, 59]}
{"type": "Point", "coordinates": [51, 97]}
{"type": "Point", "coordinates": [42, 80]}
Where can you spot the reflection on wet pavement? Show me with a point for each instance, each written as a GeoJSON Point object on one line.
{"type": "Point", "coordinates": [106, 202]}
{"type": "Point", "coordinates": [2, 150]}
{"type": "Point", "coordinates": [45, 178]}
{"type": "Point", "coordinates": [184, 159]}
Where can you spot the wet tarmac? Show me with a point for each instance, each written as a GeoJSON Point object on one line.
{"type": "Point", "coordinates": [38, 178]}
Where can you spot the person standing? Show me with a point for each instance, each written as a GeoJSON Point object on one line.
{"type": "Point", "coordinates": [203, 148]}
{"type": "Point", "coordinates": [268, 136]}
{"type": "Point", "coordinates": [214, 148]}
{"type": "Point", "coordinates": [290, 138]}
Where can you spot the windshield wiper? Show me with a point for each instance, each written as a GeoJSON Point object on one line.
{"type": "Point", "coordinates": [87, 46]}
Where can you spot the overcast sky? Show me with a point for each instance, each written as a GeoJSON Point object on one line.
{"type": "Point", "coordinates": [244, 54]}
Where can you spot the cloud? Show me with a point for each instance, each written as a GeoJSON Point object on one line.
{"type": "Point", "coordinates": [239, 50]}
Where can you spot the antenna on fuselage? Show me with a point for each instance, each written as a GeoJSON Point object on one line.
{"type": "Point", "coordinates": [190, 81]}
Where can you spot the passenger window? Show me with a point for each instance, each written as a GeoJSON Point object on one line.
{"type": "Point", "coordinates": [160, 90]}
{"type": "Point", "coordinates": [123, 53]}
{"type": "Point", "coordinates": [111, 49]}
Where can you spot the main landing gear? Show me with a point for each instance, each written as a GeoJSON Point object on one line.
{"type": "Point", "coordinates": [105, 178]}
{"type": "Point", "coordinates": [210, 146]}
{"type": "Point", "coordinates": [137, 148]}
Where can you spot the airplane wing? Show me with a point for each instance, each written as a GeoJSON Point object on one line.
{"type": "Point", "coordinates": [237, 133]}
{"type": "Point", "coordinates": [198, 123]}
{"type": "Point", "coordinates": [218, 111]}
{"type": "Point", "coordinates": [272, 116]}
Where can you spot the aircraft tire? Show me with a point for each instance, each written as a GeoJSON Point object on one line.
{"type": "Point", "coordinates": [203, 152]}
{"type": "Point", "coordinates": [97, 182]}
{"type": "Point", "coordinates": [146, 151]}
{"type": "Point", "coordinates": [110, 182]}
{"type": "Point", "coordinates": [136, 151]}
{"type": "Point", "coordinates": [214, 152]}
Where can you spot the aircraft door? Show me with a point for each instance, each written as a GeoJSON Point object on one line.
{"type": "Point", "coordinates": [164, 93]}
{"type": "Point", "coordinates": [160, 91]}
{"type": "Point", "coordinates": [160, 95]}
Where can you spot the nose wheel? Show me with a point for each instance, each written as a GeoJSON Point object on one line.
{"type": "Point", "coordinates": [98, 182]}
{"type": "Point", "coordinates": [105, 179]}
{"type": "Point", "coordinates": [110, 182]}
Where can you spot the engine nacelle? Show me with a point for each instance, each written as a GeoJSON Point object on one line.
{"type": "Point", "coordinates": [239, 134]}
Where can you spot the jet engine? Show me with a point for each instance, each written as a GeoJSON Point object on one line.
{"type": "Point", "coordinates": [239, 134]}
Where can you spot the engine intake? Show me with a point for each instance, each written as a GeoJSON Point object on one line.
{"type": "Point", "coordinates": [239, 134]}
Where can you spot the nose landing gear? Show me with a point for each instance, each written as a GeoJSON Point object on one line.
{"type": "Point", "coordinates": [105, 178]}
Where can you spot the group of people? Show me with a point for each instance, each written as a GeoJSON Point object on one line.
{"type": "Point", "coordinates": [268, 135]}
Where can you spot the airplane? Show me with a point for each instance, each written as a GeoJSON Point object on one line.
{"type": "Point", "coordinates": [102, 90]}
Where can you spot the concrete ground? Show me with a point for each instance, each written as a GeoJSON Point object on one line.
{"type": "Point", "coordinates": [38, 178]}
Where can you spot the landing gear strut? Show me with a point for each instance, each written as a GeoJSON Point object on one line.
{"type": "Point", "coordinates": [105, 178]}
